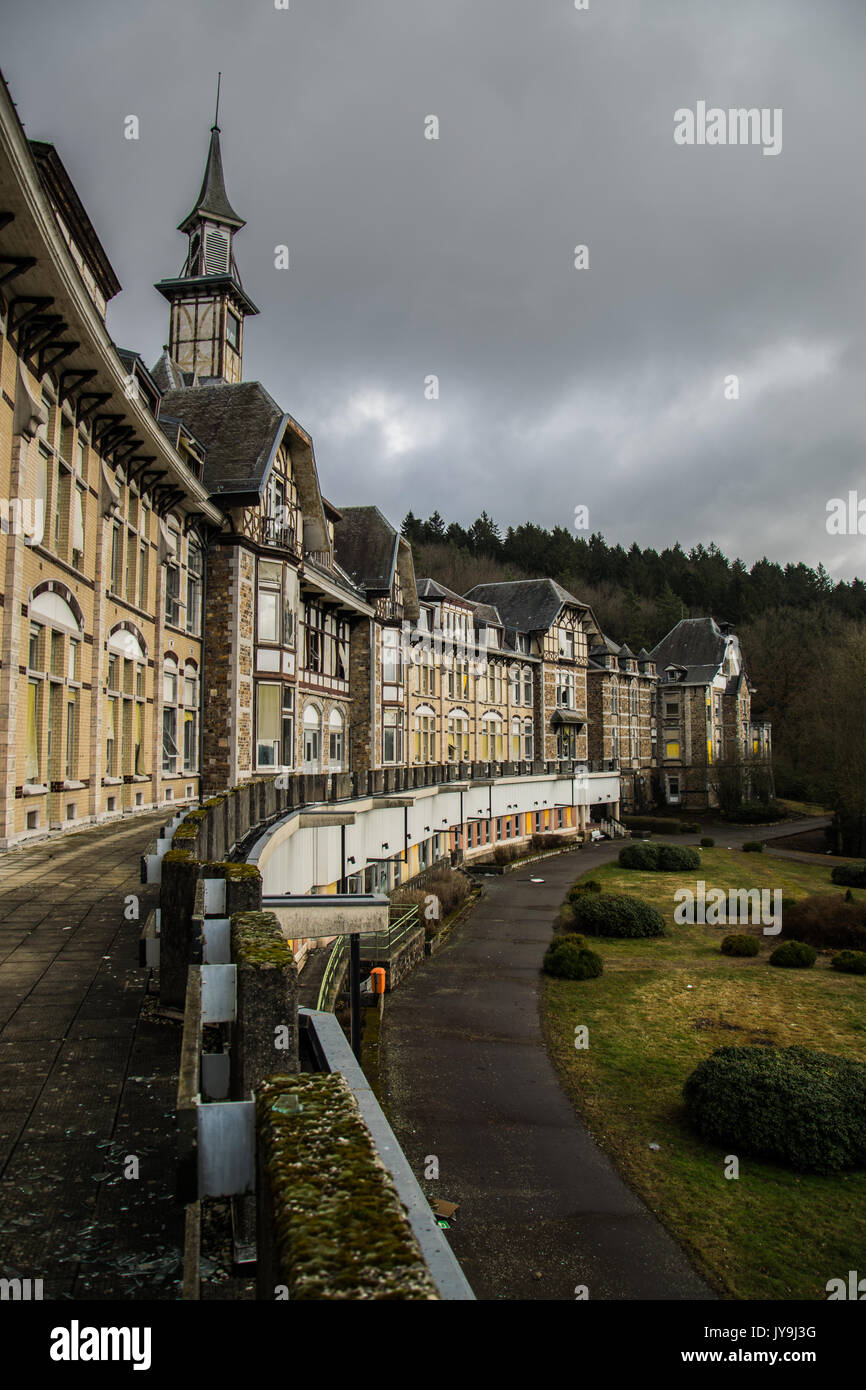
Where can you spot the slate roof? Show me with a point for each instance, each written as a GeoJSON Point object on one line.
{"type": "Point", "coordinates": [212, 200]}
{"type": "Point", "coordinates": [482, 612]}
{"type": "Point", "coordinates": [63, 193]}
{"type": "Point", "coordinates": [698, 645]}
{"type": "Point", "coordinates": [526, 605]}
{"type": "Point", "coordinates": [239, 425]}
{"type": "Point", "coordinates": [431, 588]}
{"type": "Point", "coordinates": [606, 644]}
{"type": "Point", "coordinates": [365, 544]}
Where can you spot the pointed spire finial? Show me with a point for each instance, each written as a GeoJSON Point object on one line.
{"type": "Point", "coordinates": [216, 119]}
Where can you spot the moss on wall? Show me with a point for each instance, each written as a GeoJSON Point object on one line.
{"type": "Point", "coordinates": [339, 1229]}
{"type": "Point", "coordinates": [257, 940]}
{"type": "Point", "coordinates": [237, 873]}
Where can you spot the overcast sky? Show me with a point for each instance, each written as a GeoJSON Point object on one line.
{"type": "Point", "coordinates": [410, 257]}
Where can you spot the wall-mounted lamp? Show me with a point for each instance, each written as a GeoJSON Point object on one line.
{"type": "Point", "coordinates": [385, 845]}
{"type": "Point", "coordinates": [351, 859]}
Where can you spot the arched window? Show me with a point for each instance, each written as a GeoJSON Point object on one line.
{"type": "Point", "coordinates": [527, 685]}
{"type": "Point", "coordinates": [170, 702]}
{"type": "Point", "coordinates": [528, 740]}
{"type": "Point", "coordinates": [458, 736]}
{"type": "Point", "coordinates": [425, 735]}
{"type": "Point", "coordinates": [614, 697]}
{"type": "Point", "coordinates": [515, 685]}
{"type": "Point", "coordinates": [312, 728]}
{"type": "Point", "coordinates": [491, 738]}
{"type": "Point", "coordinates": [336, 741]}
{"type": "Point", "coordinates": [516, 753]}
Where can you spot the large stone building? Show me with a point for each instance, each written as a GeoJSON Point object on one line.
{"type": "Point", "coordinates": [183, 609]}
{"type": "Point", "coordinates": [104, 519]}
{"type": "Point", "coordinates": [709, 747]}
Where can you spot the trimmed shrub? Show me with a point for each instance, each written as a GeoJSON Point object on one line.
{"type": "Point", "coordinates": [740, 944]}
{"type": "Point", "coordinates": [672, 858]}
{"type": "Point", "coordinates": [826, 921]}
{"type": "Point", "coordinates": [589, 885]}
{"type": "Point", "coordinates": [794, 955]}
{"type": "Point", "coordinates": [664, 858]}
{"type": "Point", "coordinates": [690, 827]}
{"type": "Point", "coordinates": [568, 959]}
{"type": "Point", "coordinates": [753, 847]}
{"type": "Point", "coordinates": [658, 825]}
{"type": "Point", "coordinates": [505, 854]}
{"type": "Point", "coordinates": [640, 855]}
{"type": "Point", "coordinates": [755, 813]}
{"type": "Point", "coordinates": [790, 1105]}
{"type": "Point", "coordinates": [850, 875]}
{"type": "Point", "coordinates": [550, 840]}
{"type": "Point", "coordinates": [707, 842]}
{"type": "Point", "coordinates": [615, 914]}
{"type": "Point", "coordinates": [850, 962]}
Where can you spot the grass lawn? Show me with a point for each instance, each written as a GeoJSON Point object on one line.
{"type": "Point", "coordinates": [659, 1008]}
{"type": "Point", "coordinates": [803, 808]}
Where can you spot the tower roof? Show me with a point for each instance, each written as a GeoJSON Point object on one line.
{"type": "Point", "coordinates": [213, 200]}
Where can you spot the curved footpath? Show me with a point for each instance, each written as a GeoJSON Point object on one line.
{"type": "Point", "coordinates": [467, 1079]}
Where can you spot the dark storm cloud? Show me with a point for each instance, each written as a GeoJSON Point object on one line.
{"type": "Point", "coordinates": [455, 257]}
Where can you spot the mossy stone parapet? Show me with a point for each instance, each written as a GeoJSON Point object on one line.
{"type": "Point", "coordinates": [331, 1225]}
{"type": "Point", "coordinates": [258, 940]}
{"type": "Point", "coordinates": [180, 936]}
{"type": "Point", "coordinates": [266, 1026]}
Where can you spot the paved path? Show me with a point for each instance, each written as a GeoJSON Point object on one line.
{"type": "Point", "coordinates": [468, 1079]}
{"type": "Point", "coordinates": [87, 1075]}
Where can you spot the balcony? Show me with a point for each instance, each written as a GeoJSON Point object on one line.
{"type": "Point", "coordinates": [276, 532]}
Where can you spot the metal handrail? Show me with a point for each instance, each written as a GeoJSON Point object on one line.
{"type": "Point", "coordinates": [339, 949]}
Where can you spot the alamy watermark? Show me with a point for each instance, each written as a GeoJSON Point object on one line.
{"type": "Point", "coordinates": [736, 126]}
{"type": "Point", "coordinates": [23, 516]}
{"type": "Point", "coordinates": [716, 908]}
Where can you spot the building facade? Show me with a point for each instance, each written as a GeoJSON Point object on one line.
{"type": "Point", "coordinates": [709, 749]}
{"type": "Point", "coordinates": [184, 610]}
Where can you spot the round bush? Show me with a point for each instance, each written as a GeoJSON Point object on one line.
{"type": "Point", "coordinates": [707, 842]}
{"type": "Point", "coordinates": [676, 857]}
{"type": "Point", "coordinates": [850, 875]}
{"type": "Point", "coordinates": [640, 855]}
{"type": "Point", "coordinates": [740, 944]}
{"type": "Point", "coordinates": [794, 955]}
{"type": "Point", "coordinates": [690, 827]}
{"type": "Point", "coordinates": [850, 962]}
{"type": "Point", "coordinates": [792, 1105]}
{"type": "Point", "coordinates": [753, 847]}
{"type": "Point", "coordinates": [615, 914]}
{"type": "Point", "coordinates": [664, 858]}
{"type": "Point", "coordinates": [567, 959]}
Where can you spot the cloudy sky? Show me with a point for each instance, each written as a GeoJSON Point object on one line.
{"type": "Point", "coordinates": [409, 257]}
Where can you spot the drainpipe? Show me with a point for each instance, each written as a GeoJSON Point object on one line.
{"type": "Point", "coordinates": [374, 723]}
{"type": "Point", "coordinates": [204, 569]}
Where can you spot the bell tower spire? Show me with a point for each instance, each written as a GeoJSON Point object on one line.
{"type": "Point", "coordinates": [208, 302]}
